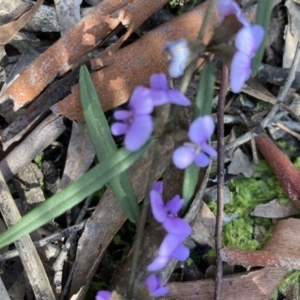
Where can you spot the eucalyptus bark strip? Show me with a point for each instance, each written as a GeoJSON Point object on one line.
{"type": "Point", "coordinates": [27, 252]}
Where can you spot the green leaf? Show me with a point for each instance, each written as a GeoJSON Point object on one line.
{"type": "Point", "coordinates": [203, 105]}
{"type": "Point", "coordinates": [263, 16]}
{"type": "Point", "coordinates": [89, 183]}
{"type": "Point", "coordinates": [104, 144]}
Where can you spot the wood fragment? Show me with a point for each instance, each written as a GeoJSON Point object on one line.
{"type": "Point", "coordinates": [285, 171]}
{"type": "Point", "coordinates": [10, 29]}
{"type": "Point", "coordinates": [47, 132]}
{"type": "Point", "coordinates": [83, 37]}
{"type": "Point", "coordinates": [257, 285]}
{"type": "Point", "coordinates": [125, 70]}
{"type": "Point", "coordinates": [28, 254]}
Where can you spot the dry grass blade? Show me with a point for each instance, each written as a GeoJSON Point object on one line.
{"type": "Point", "coordinates": [28, 254]}
{"type": "Point", "coordinates": [10, 29]}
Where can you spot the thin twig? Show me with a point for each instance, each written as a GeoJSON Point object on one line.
{"type": "Point", "coordinates": [288, 130]}
{"type": "Point", "coordinates": [220, 189]}
{"type": "Point", "coordinates": [45, 241]}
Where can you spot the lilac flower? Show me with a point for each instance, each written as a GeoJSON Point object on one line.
{"type": "Point", "coordinates": [160, 93]}
{"type": "Point", "coordinates": [179, 53]}
{"type": "Point", "coordinates": [153, 284]}
{"type": "Point", "coordinates": [229, 7]}
{"type": "Point", "coordinates": [247, 43]}
{"type": "Point", "coordinates": [103, 295]}
{"type": "Point", "coordinates": [137, 124]}
{"type": "Point", "coordinates": [197, 150]}
{"type": "Point", "coordinates": [171, 247]}
{"type": "Point", "coordinates": [167, 214]}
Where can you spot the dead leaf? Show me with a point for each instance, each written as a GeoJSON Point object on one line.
{"type": "Point", "coordinates": [240, 164]}
{"type": "Point", "coordinates": [204, 226]}
{"type": "Point", "coordinates": [292, 33]}
{"type": "Point", "coordinates": [275, 209]}
{"type": "Point", "coordinates": [80, 155]}
{"type": "Point", "coordinates": [10, 29]}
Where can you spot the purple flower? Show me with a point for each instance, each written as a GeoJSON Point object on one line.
{"type": "Point", "coordinates": [178, 52]}
{"type": "Point", "coordinates": [196, 151]}
{"type": "Point", "coordinates": [171, 247]}
{"type": "Point", "coordinates": [103, 295]}
{"type": "Point", "coordinates": [230, 7]}
{"type": "Point", "coordinates": [153, 284]}
{"type": "Point", "coordinates": [247, 43]}
{"type": "Point", "coordinates": [160, 93]}
{"type": "Point", "coordinates": [137, 124]}
{"type": "Point", "coordinates": [167, 214]}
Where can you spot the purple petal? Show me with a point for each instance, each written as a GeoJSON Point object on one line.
{"type": "Point", "coordinates": [159, 82]}
{"type": "Point", "coordinates": [140, 101]}
{"type": "Point", "coordinates": [227, 7]}
{"type": "Point", "coordinates": [119, 128]}
{"type": "Point", "coordinates": [201, 129]}
{"type": "Point", "coordinates": [122, 114]}
{"type": "Point", "coordinates": [244, 41]}
{"type": "Point", "coordinates": [258, 33]}
{"type": "Point", "coordinates": [161, 291]}
{"type": "Point", "coordinates": [158, 186]}
{"type": "Point", "coordinates": [183, 157]}
{"type": "Point", "coordinates": [181, 253]}
{"type": "Point", "coordinates": [209, 150]}
{"type": "Point", "coordinates": [159, 97]}
{"type": "Point", "coordinates": [174, 205]}
{"type": "Point", "coordinates": [202, 160]}
{"type": "Point", "coordinates": [177, 226]}
{"type": "Point", "coordinates": [169, 244]}
{"type": "Point", "coordinates": [176, 97]}
{"type": "Point", "coordinates": [103, 295]}
{"type": "Point", "coordinates": [138, 133]}
{"type": "Point", "coordinates": [179, 53]}
{"type": "Point", "coordinates": [159, 263]}
{"type": "Point", "coordinates": [240, 71]}
{"type": "Point", "coordinates": [157, 206]}
{"type": "Point", "coordinates": [151, 283]}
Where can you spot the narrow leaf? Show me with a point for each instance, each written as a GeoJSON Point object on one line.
{"type": "Point", "coordinates": [263, 16]}
{"type": "Point", "coordinates": [89, 183]}
{"type": "Point", "coordinates": [104, 144]}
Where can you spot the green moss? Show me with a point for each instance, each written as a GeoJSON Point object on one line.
{"type": "Point", "coordinates": [289, 279]}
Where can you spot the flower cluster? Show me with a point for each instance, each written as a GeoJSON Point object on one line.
{"type": "Point", "coordinates": [247, 42]}
{"type": "Point", "coordinates": [136, 122]}
{"type": "Point", "coordinates": [177, 229]}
